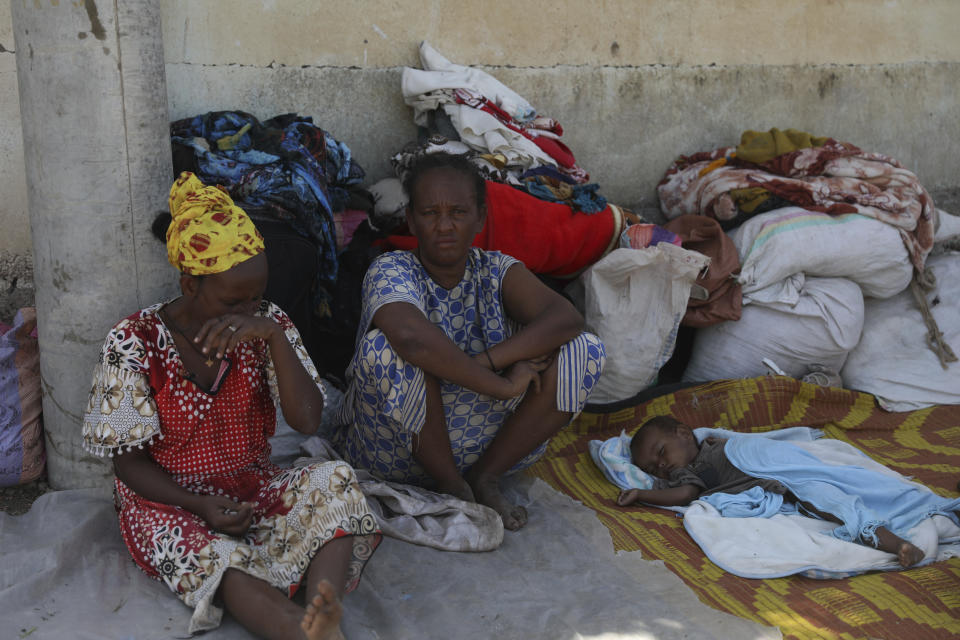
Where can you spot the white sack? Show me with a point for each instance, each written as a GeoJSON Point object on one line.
{"type": "Point", "coordinates": [948, 232]}
{"type": "Point", "coordinates": [778, 249]}
{"type": "Point", "coordinates": [634, 299]}
{"type": "Point", "coordinates": [893, 360]}
{"type": "Point", "coordinates": [821, 328]}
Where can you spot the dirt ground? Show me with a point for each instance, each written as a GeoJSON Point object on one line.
{"type": "Point", "coordinates": [18, 499]}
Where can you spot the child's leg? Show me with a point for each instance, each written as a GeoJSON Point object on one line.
{"type": "Point", "coordinates": [823, 515]}
{"type": "Point", "coordinates": [331, 563]}
{"type": "Point", "coordinates": [326, 583]}
{"type": "Point", "coordinates": [907, 553]}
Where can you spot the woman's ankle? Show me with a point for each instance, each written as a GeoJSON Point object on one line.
{"type": "Point", "coordinates": [457, 487]}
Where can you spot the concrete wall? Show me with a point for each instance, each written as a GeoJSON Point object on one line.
{"type": "Point", "coordinates": [16, 265]}
{"type": "Point", "coordinates": [634, 82]}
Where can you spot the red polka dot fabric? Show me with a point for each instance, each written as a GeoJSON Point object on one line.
{"type": "Point", "coordinates": [216, 445]}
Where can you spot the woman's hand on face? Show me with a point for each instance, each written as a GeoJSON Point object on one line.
{"type": "Point", "coordinates": [225, 515]}
{"type": "Point", "coordinates": [221, 335]}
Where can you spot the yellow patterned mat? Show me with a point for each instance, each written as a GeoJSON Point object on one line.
{"type": "Point", "coordinates": [917, 603]}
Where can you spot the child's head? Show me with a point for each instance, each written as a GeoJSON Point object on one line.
{"type": "Point", "coordinates": [661, 445]}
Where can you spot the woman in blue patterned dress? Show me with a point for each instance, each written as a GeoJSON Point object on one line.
{"type": "Point", "coordinates": [465, 364]}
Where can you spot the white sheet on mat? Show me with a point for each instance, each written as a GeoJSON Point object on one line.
{"type": "Point", "coordinates": [785, 545]}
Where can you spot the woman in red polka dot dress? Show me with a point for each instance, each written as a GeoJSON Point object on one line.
{"type": "Point", "coordinates": [184, 400]}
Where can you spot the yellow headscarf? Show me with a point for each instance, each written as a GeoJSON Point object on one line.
{"type": "Point", "coordinates": [208, 233]}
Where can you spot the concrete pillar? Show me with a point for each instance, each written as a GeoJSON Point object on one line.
{"type": "Point", "coordinates": [97, 156]}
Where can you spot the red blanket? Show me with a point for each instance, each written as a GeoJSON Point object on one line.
{"type": "Point", "coordinates": [547, 237]}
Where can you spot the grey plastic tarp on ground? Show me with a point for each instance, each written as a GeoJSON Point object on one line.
{"type": "Point", "coordinates": [66, 574]}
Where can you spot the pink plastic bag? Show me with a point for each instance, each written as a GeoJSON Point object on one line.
{"type": "Point", "coordinates": [22, 456]}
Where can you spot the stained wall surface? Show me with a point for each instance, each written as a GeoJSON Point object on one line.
{"type": "Point", "coordinates": [634, 82]}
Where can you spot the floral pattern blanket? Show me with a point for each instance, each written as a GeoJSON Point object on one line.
{"type": "Point", "coordinates": [835, 178]}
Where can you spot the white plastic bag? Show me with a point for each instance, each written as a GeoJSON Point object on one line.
{"type": "Point", "coordinates": [633, 299]}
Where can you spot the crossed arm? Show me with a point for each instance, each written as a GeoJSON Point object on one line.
{"type": "Point", "coordinates": [548, 321]}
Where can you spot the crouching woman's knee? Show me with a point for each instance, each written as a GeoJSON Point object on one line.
{"type": "Point", "coordinates": [588, 349]}
{"type": "Point", "coordinates": [579, 367]}
{"type": "Point", "coordinates": [396, 384]}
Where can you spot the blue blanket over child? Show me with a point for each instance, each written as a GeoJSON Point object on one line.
{"type": "Point", "coordinates": [863, 498]}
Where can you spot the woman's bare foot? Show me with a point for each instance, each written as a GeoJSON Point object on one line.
{"type": "Point", "coordinates": [908, 554]}
{"type": "Point", "coordinates": [323, 612]}
{"type": "Point", "coordinates": [486, 488]}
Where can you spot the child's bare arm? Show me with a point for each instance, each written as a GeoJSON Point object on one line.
{"type": "Point", "coordinates": [672, 497]}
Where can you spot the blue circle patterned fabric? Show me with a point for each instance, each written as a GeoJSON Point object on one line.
{"type": "Point", "coordinates": [385, 403]}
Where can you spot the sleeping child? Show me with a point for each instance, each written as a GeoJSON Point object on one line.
{"type": "Point", "coordinates": [872, 508]}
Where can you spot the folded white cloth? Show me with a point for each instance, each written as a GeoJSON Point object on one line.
{"type": "Point", "coordinates": [439, 74]}
{"type": "Point", "coordinates": [613, 455]}
{"type": "Point", "coordinates": [613, 458]}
